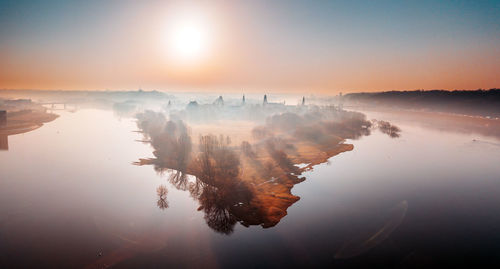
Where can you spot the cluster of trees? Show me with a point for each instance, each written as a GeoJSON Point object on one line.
{"type": "Point", "coordinates": [388, 128]}
{"type": "Point", "coordinates": [246, 183]}
{"type": "Point", "coordinates": [319, 126]}
{"type": "Point", "coordinates": [474, 102]}
{"type": "Point", "coordinates": [215, 165]}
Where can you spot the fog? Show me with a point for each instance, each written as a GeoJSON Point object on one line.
{"type": "Point", "coordinates": [204, 169]}
{"type": "Point", "coordinates": [246, 174]}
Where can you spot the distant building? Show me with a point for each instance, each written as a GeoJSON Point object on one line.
{"type": "Point", "coordinates": [267, 104]}
{"type": "Point", "coordinates": [219, 102]}
{"type": "Point", "coordinates": [192, 105]}
{"type": "Point", "coordinates": [341, 101]}
{"type": "Point", "coordinates": [3, 117]}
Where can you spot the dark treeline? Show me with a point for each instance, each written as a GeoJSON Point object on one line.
{"type": "Point", "coordinates": [473, 102]}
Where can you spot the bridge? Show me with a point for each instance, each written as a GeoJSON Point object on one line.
{"type": "Point", "coordinates": [59, 106]}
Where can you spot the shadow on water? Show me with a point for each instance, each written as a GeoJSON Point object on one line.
{"type": "Point", "coordinates": [363, 242]}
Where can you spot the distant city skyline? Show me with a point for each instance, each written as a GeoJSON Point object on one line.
{"type": "Point", "coordinates": [250, 46]}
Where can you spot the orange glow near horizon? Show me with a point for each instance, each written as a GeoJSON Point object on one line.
{"type": "Point", "coordinates": [179, 46]}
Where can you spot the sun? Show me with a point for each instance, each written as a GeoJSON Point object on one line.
{"type": "Point", "coordinates": [188, 40]}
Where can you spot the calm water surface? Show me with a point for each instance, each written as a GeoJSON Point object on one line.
{"type": "Point", "coordinates": [70, 197]}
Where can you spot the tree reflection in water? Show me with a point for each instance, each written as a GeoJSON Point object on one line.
{"type": "Point", "coordinates": [248, 183]}
{"type": "Point", "coordinates": [162, 197]}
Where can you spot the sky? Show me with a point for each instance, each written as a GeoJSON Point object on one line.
{"type": "Point", "coordinates": [249, 46]}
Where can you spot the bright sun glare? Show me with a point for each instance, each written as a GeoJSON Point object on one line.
{"type": "Point", "coordinates": [189, 40]}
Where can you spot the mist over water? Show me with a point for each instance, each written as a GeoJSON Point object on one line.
{"type": "Point", "coordinates": [249, 134]}
{"type": "Point", "coordinates": [150, 180]}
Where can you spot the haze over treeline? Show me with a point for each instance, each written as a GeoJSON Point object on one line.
{"type": "Point", "coordinates": [249, 181]}
{"type": "Point", "coordinates": [476, 102]}
{"type": "Point", "coordinates": [469, 102]}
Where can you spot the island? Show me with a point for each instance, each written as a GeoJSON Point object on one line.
{"type": "Point", "coordinates": [243, 170]}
